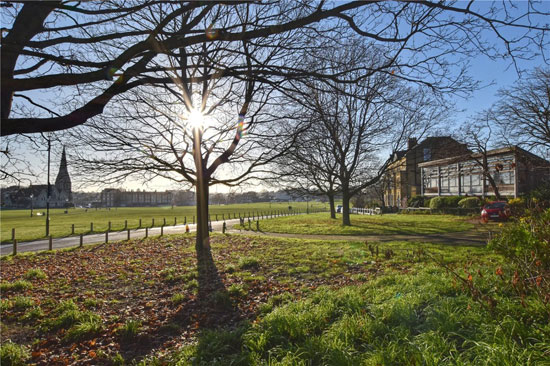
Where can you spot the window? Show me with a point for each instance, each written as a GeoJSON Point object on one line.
{"type": "Point", "coordinates": [427, 154]}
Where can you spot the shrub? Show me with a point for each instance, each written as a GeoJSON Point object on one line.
{"type": "Point", "coordinates": [469, 202]}
{"type": "Point", "coordinates": [417, 201]}
{"type": "Point", "coordinates": [437, 203]}
{"type": "Point", "coordinates": [451, 201]}
{"type": "Point", "coordinates": [517, 206]}
{"type": "Point", "coordinates": [12, 354]}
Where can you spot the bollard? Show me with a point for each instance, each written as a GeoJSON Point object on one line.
{"type": "Point", "coordinates": [125, 224]}
{"type": "Point", "coordinates": [175, 221]}
{"type": "Point", "coordinates": [128, 234]}
{"type": "Point", "coordinates": [91, 227]}
{"type": "Point", "coordinates": [14, 246]}
{"type": "Point", "coordinates": [153, 222]}
{"type": "Point", "coordinates": [146, 232]}
{"type": "Point", "coordinates": [139, 227]}
{"type": "Point", "coordinates": [185, 220]}
{"type": "Point", "coordinates": [164, 221]}
{"type": "Point", "coordinates": [50, 243]}
{"type": "Point", "coordinates": [258, 225]}
{"type": "Point", "coordinates": [224, 227]}
{"type": "Point", "coordinates": [162, 230]}
{"type": "Point", "coordinates": [109, 227]}
{"type": "Point", "coordinates": [72, 229]}
{"type": "Point", "coordinates": [106, 237]}
{"type": "Point", "coordinates": [13, 234]}
{"type": "Point", "coordinates": [81, 240]}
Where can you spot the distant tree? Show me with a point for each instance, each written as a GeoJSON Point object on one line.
{"type": "Point", "coordinates": [523, 111]}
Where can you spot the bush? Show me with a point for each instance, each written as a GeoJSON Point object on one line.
{"type": "Point", "coordinates": [469, 202]}
{"type": "Point", "coordinates": [417, 201]}
{"type": "Point", "coordinates": [437, 203]}
{"type": "Point", "coordinates": [517, 206]}
{"type": "Point", "coordinates": [452, 201]}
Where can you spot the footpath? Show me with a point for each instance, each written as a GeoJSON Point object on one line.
{"type": "Point", "coordinates": [474, 237]}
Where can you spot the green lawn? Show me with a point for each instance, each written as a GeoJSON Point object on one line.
{"type": "Point", "coordinates": [277, 302]}
{"type": "Point", "coordinates": [321, 223]}
{"type": "Point", "coordinates": [30, 228]}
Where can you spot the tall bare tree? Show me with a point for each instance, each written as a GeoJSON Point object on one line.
{"type": "Point", "coordinates": [86, 53]}
{"type": "Point", "coordinates": [523, 111]}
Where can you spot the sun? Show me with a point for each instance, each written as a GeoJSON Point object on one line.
{"type": "Point", "coordinates": [196, 119]}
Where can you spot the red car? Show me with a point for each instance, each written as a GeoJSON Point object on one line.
{"type": "Point", "coordinates": [497, 210]}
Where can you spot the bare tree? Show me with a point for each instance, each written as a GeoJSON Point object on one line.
{"type": "Point", "coordinates": [523, 111]}
{"type": "Point", "coordinates": [87, 53]}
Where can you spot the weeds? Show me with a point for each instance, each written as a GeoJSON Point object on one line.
{"type": "Point", "coordinates": [129, 330]}
{"type": "Point", "coordinates": [19, 285]}
{"type": "Point", "coordinates": [12, 354]}
{"type": "Point", "coordinates": [35, 273]}
{"type": "Point", "coordinates": [248, 263]}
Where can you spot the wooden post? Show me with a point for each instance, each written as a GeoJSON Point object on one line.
{"type": "Point", "coordinates": [128, 234]}
{"type": "Point", "coordinates": [139, 227]}
{"type": "Point", "coordinates": [106, 237]}
{"type": "Point", "coordinates": [91, 227]}
{"type": "Point", "coordinates": [146, 232]}
{"type": "Point", "coordinates": [175, 221]}
{"type": "Point", "coordinates": [249, 227]}
{"type": "Point", "coordinates": [223, 217]}
{"type": "Point", "coordinates": [193, 219]}
{"type": "Point", "coordinates": [81, 240]}
{"type": "Point", "coordinates": [164, 221]}
{"type": "Point", "coordinates": [162, 230]}
{"type": "Point", "coordinates": [153, 222]}
{"type": "Point", "coordinates": [50, 243]}
{"type": "Point", "coordinates": [14, 246]}
{"type": "Point", "coordinates": [72, 229]}
{"type": "Point", "coordinates": [185, 220]}
{"type": "Point", "coordinates": [224, 228]}
{"type": "Point", "coordinates": [109, 227]}
{"type": "Point", "coordinates": [13, 234]}
{"type": "Point", "coordinates": [216, 217]}
{"type": "Point", "coordinates": [258, 225]}
{"type": "Point", "coordinates": [125, 224]}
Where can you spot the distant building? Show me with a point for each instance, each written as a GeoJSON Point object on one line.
{"type": "Point", "coordinates": [515, 171]}
{"type": "Point", "coordinates": [112, 197]}
{"type": "Point", "coordinates": [403, 178]}
{"type": "Point", "coordinates": [37, 196]}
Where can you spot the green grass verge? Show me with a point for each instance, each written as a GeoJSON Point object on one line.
{"type": "Point", "coordinates": [31, 228]}
{"type": "Point", "coordinates": [321, 223]}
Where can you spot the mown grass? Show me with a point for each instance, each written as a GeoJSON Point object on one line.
{"type": "Point", "coordinates": [321, 223]}
{"type": "Point", "coordinates": [31, 228]}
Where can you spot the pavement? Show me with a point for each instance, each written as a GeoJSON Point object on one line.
{"type": "Point", "coordinates": [473, 237]}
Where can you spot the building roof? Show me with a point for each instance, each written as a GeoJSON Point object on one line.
{"type": "Point", "coordinates": [428, 141]}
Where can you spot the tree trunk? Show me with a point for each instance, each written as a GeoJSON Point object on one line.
{"type": "Point", "coordinates": [331, 204]}
{"type": "Point", "coordinates": [494, 186]}
{"type": "Point", "coordinates": [203, 235]}
{"type": "Point", "coordinates": [345, 206]}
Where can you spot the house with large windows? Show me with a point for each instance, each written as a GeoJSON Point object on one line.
{"type": "Point", "coordinates": [514, 170]}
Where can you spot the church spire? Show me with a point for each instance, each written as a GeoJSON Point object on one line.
{"type": "Point", "coordinates": [63, 180]}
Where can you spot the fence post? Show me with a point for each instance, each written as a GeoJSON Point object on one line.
{"type": "Point", "coordinates": [258, 225]}
{"type": "Point", "coordinates": [223, 217]}
{"type": "Point", "coordinates": [249, 227]}
{"type": "Point", "coordinates": [72, 229]}
{"type": "Point", "coordinates": [216, 217]}
{"type": "Point", "coordinates": [109, 228]}
{"type": "Point", "coordinates": [164, 221]}
{"type": "Point", "coordinates": [81, 240]}
{"type": "Point", "coordinates": [224, 228]}
{"type": "Point", "coordinates": [193, 219]}
{"type": "Point", "coordinates": [13, 234]}
{"type": "Point", "coordinates": [139, 227]}
{"type": "Point", "coordinates": [106, 237]}
{"type": "Point", "coordinates": [91, 227]}
{"type": "Point", "coordinates": [50, 243]}
{"type": "Point", "coordinates": [14, 246]}
{"type": "Point", "coordinates": [128, 234]}
{"type": "Point", "coordinates": [153, 222]}
{"type": "Point", "coordinates": [175, 221]}
{"type": "Point", "coordinates": [146, 232]}
{"type": "Point", "coordinates": [125, 224]}
{"type": "Point", "coordinates": [162, 230]}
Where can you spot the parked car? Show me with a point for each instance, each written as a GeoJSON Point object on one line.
{"type": "Point", "coordinates": [496, 210]}
{"type": "Point", "coordinates": [339, 209]}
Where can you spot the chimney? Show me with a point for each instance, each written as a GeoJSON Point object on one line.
{"type": "Point", "coordinates": [412, 143]}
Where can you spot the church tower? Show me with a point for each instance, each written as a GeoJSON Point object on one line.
{"type": "Point", "coordinates": [63, 181]}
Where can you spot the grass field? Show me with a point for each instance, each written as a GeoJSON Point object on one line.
{"type": "Point", "coordinates": [321, 223]}
{"type": "Point", "coordinates": [269, 301]}
{"type": "Point", "coordinates": [30, 228]}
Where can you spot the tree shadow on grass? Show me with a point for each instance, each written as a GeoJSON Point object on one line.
{"type": "Point", "coordinates": [211, 310]}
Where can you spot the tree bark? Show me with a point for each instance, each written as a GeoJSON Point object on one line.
{"type": "Point", "coordinates": [346, 221]}
{"type": "Point", "coordinates": [331, 205]}
{"type": "Point", "coordinates": [202, 244]}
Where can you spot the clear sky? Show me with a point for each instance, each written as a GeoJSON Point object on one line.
{"type": "Point", "coordinates": [499, 74]}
